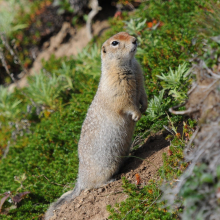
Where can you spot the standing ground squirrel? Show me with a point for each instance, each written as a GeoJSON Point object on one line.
{"type": "Point", "coordinates": [107, 131]}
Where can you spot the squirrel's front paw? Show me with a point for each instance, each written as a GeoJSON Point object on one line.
{"type": "Point", "coordinates": [136, 116]}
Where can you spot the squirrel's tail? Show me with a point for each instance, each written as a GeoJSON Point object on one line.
{"type": "Point", "coordinates": [66, 197]}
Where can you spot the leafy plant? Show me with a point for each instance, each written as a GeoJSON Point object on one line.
{"type": "Point", "coordinates": [9, 107]}
{"type": "Point", "coordinates": [7, 17]}
{"type": "Point", "coordinates": [93, 61]}
{"type": "Point", "coordinates": [45, 88]}
{"type": "Point", "coordinates": [155, 106]}
{"type": "Point", "coordinates": [192, 196]}
{"type": "Point", "coordinates": [174, 81]}
{"type": "Point", "coordinates": [135, 25]}
{"type": "Point", "coordinates": [173, 78]}
{"type": "Point", "coordinates": [64, 6]}
{"type": "Point", "coordinates": [89, 52]}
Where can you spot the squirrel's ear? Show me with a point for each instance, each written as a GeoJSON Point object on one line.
{"type": "Point", "coordinates": [103, 49]}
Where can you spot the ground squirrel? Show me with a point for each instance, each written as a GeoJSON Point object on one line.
{"type": "Point", "coordinates": [107, 131]}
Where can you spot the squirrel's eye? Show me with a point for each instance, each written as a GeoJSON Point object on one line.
{"type": "Point", "coordinates": [114, 43]}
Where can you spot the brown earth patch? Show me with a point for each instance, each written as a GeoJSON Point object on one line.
{"type": "Point", "coordinates": [92, 204]}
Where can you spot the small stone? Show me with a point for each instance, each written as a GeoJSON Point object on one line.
{"type": "Point", "coordinates": [78, 205]}
{"type": "Point", "coordinates": [100, 190]}
{"type": "Point", "coordinates": [46, 44]}
{"type": "Point", "coordinates": [81, 201]}
{"type": "Point", "coordinates": [86, 192]}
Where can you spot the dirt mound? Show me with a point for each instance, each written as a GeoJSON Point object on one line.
{"type": "Point", "coordinates": [92, 204]}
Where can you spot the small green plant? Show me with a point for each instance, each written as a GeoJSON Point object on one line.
{"type": "Point", "coordinates": [200, 179]}
{"type": "Point", "coordinates": [134, 26]}
{"type": "Point", "coordinates": [8, 15]}
{"type": "Point", "coordinates": [156, 106]}
{"type": "Point", "coordinates": [65, 72]}
{"type": "Point", "coordinates": [173, 161]}
{"type": "Point", "coordinates": [93, 62]}
{"type": "Point", "coordinates": [9, 106]}
{"type": "Point", "coordinates": [45, 88]}
{"type": "Point", "coordinates": [64, 6]}
{"type": "Point", "coordinates": [174, 81]}
{"type": "Point", "coordinates": [89, 52]}
{"type": "Point", "coordinates": [173, 78]}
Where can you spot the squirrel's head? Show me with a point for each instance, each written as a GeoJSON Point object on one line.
{"type": "Point", "coordinates": [119, 49]}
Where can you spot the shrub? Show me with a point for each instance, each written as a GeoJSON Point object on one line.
{"type": "Point", "coordinates": [174, 81]}
{"type": "Point", "coordinates": [8, 16]}
{"type": "Point", "coordinates": [44, 89]}
{"type": "Point", "coordinates": [155, 107]}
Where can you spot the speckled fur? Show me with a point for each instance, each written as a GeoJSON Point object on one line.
{"type": "Point", "coordinates": [110, 121]}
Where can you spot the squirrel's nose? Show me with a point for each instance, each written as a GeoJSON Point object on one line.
{"type": "Point", "coordinates": [134, 41]}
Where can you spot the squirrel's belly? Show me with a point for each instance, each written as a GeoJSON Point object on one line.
{"type": "Point", "coordinates": [102, 154]}
{"type": "Point", "coordinates": [110, 138]}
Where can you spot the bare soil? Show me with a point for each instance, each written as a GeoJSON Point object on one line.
{"type": "Point", "coordinates": [92, 204]}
